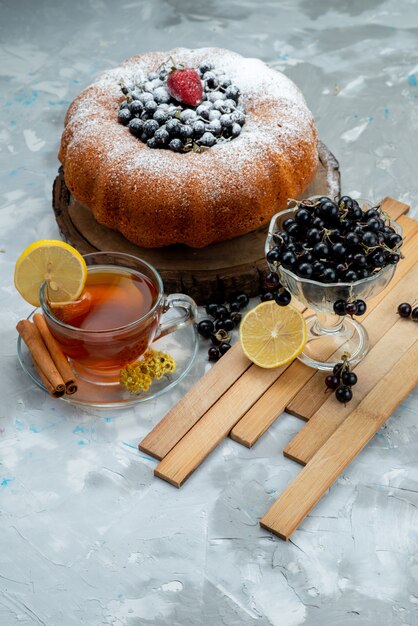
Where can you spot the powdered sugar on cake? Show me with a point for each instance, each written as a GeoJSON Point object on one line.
{"type": "Point", "coordinates": [278, 133]}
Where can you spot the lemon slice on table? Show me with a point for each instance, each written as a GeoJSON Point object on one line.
{"type": "Point", "coordinates": [272, 335]}
{"type": "Point", "coordinates": [56, 262]}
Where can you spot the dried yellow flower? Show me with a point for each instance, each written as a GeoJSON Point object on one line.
{"type": "Point", "coordinates": [138, 376]}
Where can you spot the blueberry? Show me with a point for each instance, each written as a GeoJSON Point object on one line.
{"type": "Point", "coordinates": [210, 79]}
{"type": "Point", "coordinates": [340, 307]}
{"type": "Point", "coordinates": [187, 115]}
{"type": "Point", "coordinates": [185, 131]}
{"type": "Point", "coordinates": [125, 105]}
{"type": "Point", "coordinates": [287, 259]}
{"type": "Point", "coordinates": [394, 240]}
{"type": "Point", "coordinates": [136, 107]}
{"type": "Point", "coordinates": [343, 394]}
{"type": "Point", "coordinates": [173, 126]}
{"type": "Point", "coordinates": [214, 127]}
{"type": "Point", "coordinates": [198, 128]}
{"type": "Point", "coordinates": [228, 106]}
{"type": "Point", "coordinates": [238, 117]}
{"type": "Point", "coordinates": [136, 126]}
{"type": "Point", "coordinates": [351, 308]}
{"type": "Point", "coordinates": [304, 270]}
{"type": "Point", "coordinates": [226, 324]}
{"type": "Point", "coordinates": [225, 82]}
{"type": "Point", "coordinates": [204, 113]}
{"type": "Point", "coordinates": [211, 309]}
{"type": "Point", "coordinates": [221, 312]}
{"type": "Point", "coordinates": [273, 255]}
{"type": "Point", "coordinates": [214, 354]}
{"type": "Point", "coordinates": [267, 296]}
{"type": "Point", "coordinates": [205, 328]}
{"type": "Point", "coordinates": [224, 347]}
{"type": "Point", "coordinates": [272, 280]}
{"type": "Point", "coordinates": [176, 145]}
{"type": "Point", "coordinates": [205, 66]}
{"type": "Point", "coordinates": [350, 276]}
{"type": "Point", "coordinates": [242, 299]}
{"type": "Point", "coordinates": [352, 239]}
{"type": "Point", "coordinates": [160, 116]}
{"type": "Point", "coordinates": [360, 260]}
{"type": "Point", "coordinates": [404, 309]}
{"type": "Point", "coordinates": [152, 142]}
{"type": "Point", "coordinates": [161, 95]}
{"type": "Point", "coordinates": [328, 211]}
{"type": "Point", "coordinates": [361, 307]}
{"type": "Point", "coordinates": [207, 139]}
{"type": "Point", "coordinates": [124, 116]}
{"type": "Point", "coordinates": [161, 135]}
{"type": "Point", "coordinates": [329, 275]}
{"type": "Point", "coordinates": [235, 130]}
{"type": "Point", "coordinates": [214, 115]}
{"type": "Point", "coordinates": [345, 203]}
{"type": "Point", "coordinates": [338, 250]}
{"type": "Point", "coordinates": [369, 239]}
{"type": "Point", "coordinates": [214, 96]}
{"type": "Point", "coordinates": [302, 217]}
{"type": "Point", "coordinates": [313, 236]}
{"type": "Point", "coordinates": [150, 126]}
{"type": "Point", "coordinates": [145, 96]}
{"type": "Point", "coordinates": [283, 297]}
{"type": "Point", "coordinates": [348, 378]}
{"type": "Point", "coordinates": [320, 250]}
{"type": "Point", "coordinates": [226, 120]}
{"type": "Point", "coordinates": [150, 107]}
{"type": "Point", "coordinates": [233, 92]}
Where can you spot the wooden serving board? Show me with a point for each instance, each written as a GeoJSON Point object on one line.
{"type": "Point", "coordinates": [211, 274]}
{"type": "Point", "coordinates": [238, 399]}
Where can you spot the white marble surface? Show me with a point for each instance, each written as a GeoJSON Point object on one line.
{"type": "Point", "coordinates": [87, 535]}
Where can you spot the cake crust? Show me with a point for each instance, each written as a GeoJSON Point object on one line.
{"type": "Point", "coordinates": [159, 197]}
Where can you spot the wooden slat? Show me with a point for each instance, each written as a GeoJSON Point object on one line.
{"type": "Point", "coordinates": [310, 398]}
{"type": "Point", "coordinates": [331, 414]}
{"type": "Point", "coordinates": [271, 404]}
{"type": "Point", "coordinates": [180, 419]}
{"type": "Point", "coordinates": [303, 385]}
{"type": "Point", "coordinates": [394, 208]}
{"type": "Point", "coordinates": [215, 425]}
{"type": "Point", "coordinates": [341, 448]}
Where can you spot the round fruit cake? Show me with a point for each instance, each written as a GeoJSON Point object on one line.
{"type": "Point", "coordinates": [188, 146]}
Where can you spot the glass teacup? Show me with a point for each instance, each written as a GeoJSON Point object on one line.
{"type": "Point", "coordinates": [117, 318]}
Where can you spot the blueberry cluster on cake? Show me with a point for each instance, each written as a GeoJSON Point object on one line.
{"type": "Point", "coordinates": [190, 146]}
{"type": "Point", "coordinates": [183, 109]}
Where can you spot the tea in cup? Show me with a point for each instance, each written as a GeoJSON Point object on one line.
{"type": "Point", "coordinates": [118, 316]}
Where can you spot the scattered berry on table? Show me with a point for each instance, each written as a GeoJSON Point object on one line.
{"type": "Point", "coordinates": [343, 394]}
{"type": "Point", "coordinates": [226, 317]}
{"type": "Point", "coordinates": [405, 309]}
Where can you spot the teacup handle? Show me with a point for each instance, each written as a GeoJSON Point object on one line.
{"type": "Point", "coordinates": [188, 313]}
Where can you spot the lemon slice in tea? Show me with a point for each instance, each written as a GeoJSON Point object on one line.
{"type": "Point", "coordinates": [272, 335]}
{"type": "Point", "coordinates": [56, 262]}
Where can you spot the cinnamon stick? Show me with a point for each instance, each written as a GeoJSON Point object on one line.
{"type": "Point", "coordinates": [57, 355]}
{"type": "Point", "coordinates": [53, 392]}
{"type": "Point", "coordinates": [40, 355]}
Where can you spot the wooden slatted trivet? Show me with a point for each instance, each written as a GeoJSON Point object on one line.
{"type": "Point", "coordinates": [242, 400]}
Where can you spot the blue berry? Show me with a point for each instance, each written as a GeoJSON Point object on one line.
{"type": "Point", "coordinates": [238, 117]}
{"type": "Point", "coordinates": [150, 126]}
{"type": "Point", "coordinates": [233, 92]}
{"type": "Point", "coordinates": [198, 128]}
{"type": "Point", "coordinates": [185, 131]}
{"type": "Point", "coordinates": [176, 145]}
{"type": "Point", "coordinates": [150, 107]}
{"type": "Point", "coordinates": [160, 116]}
{"type": "Point", "coordinates": [187, 115]}
{"type": "Point", "coordinates": [205, 66]}
{"type": "Point", "coordinates": [214, 127]}
{"type": "Point", "coordinates": [173, 126]}
{"type": "Point", "coordinates": [136, 126]}
{"type": "Point", "coordinates": [207, 139]}
{"type": "Point", "coordinates": [161, 95]}
{"type": "Point", "coordinates": [124, 116]}
{"type": "Point", "coordinates": [226, 120]}
{"type": "Point", "coordinates": [235, 130]}
{"type": "Point", "coordinates": [161, 135]}
{"type": "Point", "coordinates": [136, 107]}
{"type": "Point", "coordinates": [152, 143]}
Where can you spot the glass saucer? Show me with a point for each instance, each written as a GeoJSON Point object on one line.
{"type": "Point", "coordinates": [182, 345]}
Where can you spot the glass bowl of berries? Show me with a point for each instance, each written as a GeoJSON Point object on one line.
{"type": "Point", "coordinates": [332, 256]}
